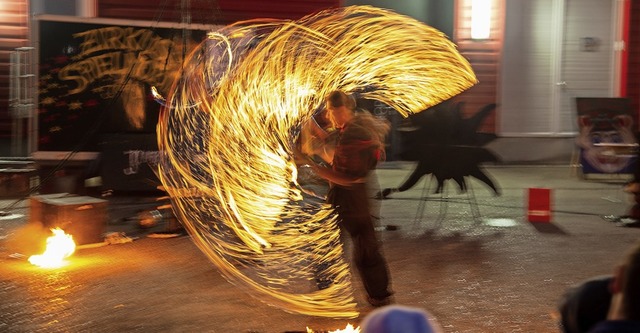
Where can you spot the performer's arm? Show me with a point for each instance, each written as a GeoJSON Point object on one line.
{"type": "Point", "coordinates": [327, 172]}
{"type": "Point", "coordinates": [317, 130]}
{"type": "Point", "coordinates": [336, 177]}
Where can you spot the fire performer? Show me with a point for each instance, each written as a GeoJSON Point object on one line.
{"type": "Point", "coordinates": [359, 146]}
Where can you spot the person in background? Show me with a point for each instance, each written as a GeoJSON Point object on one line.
{"type": "Point", "coordinates": [585, 304]}
{"type": "Point", "coordinates": [624, 311]}
{"type": "Point", "coordinates": [400, 319]}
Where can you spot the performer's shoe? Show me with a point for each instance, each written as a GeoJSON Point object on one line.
{"type": "Point", "coordinates": [378, 302]}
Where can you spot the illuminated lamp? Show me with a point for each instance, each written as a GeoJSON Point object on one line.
{"type": "Point", "coordinates": [480, 19]}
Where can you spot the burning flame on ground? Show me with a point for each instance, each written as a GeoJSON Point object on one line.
{"type": "Point", "coordinates": [58, 248]}
{"type": "Point", "coordinates": [230, 123]}
{"type": "Point", "coordinates": [348, 329]}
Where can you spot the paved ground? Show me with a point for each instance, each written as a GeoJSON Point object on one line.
{"type": "Point", "coordinates": [500, 274]}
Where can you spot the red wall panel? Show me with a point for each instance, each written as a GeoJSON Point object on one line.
{"type": "Point", "coordinates": [210, 12]}
{"type": "Point", "coordinates": [484, 57]}
{"type": "Point", "coordinates": [633, 64]}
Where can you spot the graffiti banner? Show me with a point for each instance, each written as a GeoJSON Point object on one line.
{"type": "Point", "coordinates": [97, 78]}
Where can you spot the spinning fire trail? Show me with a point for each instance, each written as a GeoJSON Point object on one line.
{"type": "Point", "coordinates": [232, 118]}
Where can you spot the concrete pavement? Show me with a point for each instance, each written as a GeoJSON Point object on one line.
{"type": "Point", "coordinates": [494, 273]}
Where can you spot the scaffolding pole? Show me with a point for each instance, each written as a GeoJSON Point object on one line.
{"type": "Point", "coordinates": [22, 102]}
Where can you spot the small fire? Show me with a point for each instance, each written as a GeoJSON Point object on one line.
{"type": "Point", "coordinates": [348, 329]}
{"type": "Point", "coordinates": [59, 247]}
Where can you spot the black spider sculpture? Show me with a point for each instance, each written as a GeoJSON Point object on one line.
{"type": "Point", "coordinates": [448, 146]}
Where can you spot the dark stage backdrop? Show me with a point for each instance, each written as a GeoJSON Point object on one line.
{"type": "Point", "coordinates": [96, 79]}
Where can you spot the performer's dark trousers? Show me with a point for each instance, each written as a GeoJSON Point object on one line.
{"type": "Point", "coordinates": [352, 205]}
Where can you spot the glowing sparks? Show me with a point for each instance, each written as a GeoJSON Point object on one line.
{"type": "Point", "coordinates": [231, 120]}
{"type": "Point", "coordinates": [156, 95]}
{"type": "Point", "coordinates": [58, 248]}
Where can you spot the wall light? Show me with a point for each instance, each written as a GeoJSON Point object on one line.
{"type": "Point", "coordinates": [480, 19]}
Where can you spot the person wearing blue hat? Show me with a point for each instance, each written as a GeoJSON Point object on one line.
{"type": "Point", "coordinates": [400, 319]}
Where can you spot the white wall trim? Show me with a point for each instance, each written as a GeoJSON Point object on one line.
{"type": "Point", "coordinates": [558, 83]}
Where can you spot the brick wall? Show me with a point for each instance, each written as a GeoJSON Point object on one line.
{"type": "Point", "coordinates": [484, 56]}
{"type": "Point", "coordinates": [211, 12]}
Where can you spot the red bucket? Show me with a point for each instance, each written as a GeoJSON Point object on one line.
{"type": "Point", "coordinates": [539, 207]}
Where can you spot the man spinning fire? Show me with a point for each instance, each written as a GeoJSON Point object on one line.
{"type": "Point", "coordinates": [359, 146]}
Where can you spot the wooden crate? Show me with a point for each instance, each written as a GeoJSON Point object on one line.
{"type": "Point", "coordinates": [16, 183]}
{"type": "Point", "coordinates": [85, 218]}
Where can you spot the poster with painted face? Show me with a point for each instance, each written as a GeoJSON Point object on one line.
{"type": "Point", "coordinates": [606, 138]}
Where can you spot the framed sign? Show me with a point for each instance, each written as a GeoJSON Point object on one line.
{"type": "Point", "coordinates": [128, 161]}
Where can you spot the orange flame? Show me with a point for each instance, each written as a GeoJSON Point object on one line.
{"type": "Point", "coordinates": [348, 329]}
{"type": "Point", "coordinates": [59, 247]}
